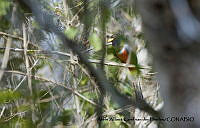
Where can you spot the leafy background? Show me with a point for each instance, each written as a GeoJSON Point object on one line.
{"type": "Point", "coordinates": [45, 85]}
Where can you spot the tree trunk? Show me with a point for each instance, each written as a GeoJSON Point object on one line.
{"type": "Point", "coordinates": [176, 56]}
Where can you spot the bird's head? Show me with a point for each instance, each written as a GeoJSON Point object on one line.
{"type": "Point", "coordinates": [117, 40]}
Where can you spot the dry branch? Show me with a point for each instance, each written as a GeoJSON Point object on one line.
{"type": "Point", "coordinates": [108, 63]}
{"type": "Point", "coordinates": [11, 36]}
{"type": "Point", "coordinates": [5, 57]}
{"type": "Point", "coordinates": [59, 84]}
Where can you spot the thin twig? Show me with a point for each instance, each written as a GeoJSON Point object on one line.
{"type": "Point", "coordinates": [60, 84]}
{"type": "Point", "coordinates": [91, 79]}
{"type": "Point", "coordinates": [8, 45]}
{"type": "Point", "coordinates": [3, 109]}
{"type": "Point", "coordinates": [13, 115]}
{"type": "Point", "coordinates": [108, 63]}
{"type": "Point", "coordinates": [48, 99]}
{"type": "Point", "coordinates": [5, 57]}
{"type": "Point", "coordinates": [26, 59]}
{"type": "Point", "coordinates": [11, 36]}
{"type": "Point", "coordinates": [25, 76]}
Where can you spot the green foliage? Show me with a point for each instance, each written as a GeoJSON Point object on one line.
{"type": "Point", "coordinates": [45, 105]}
{"type": "Point", "coordinates": [66, 117]}
{"type": "Point", "coordinates": [126, 89]}
{"type": "Point", "coordinates": [18, 122]}
{"type": "Point", "coordinates": [71, 32]}
{"type": "Point", "coordinates": [23, 108]}
{"type": "Point", "coordinates": [4, 5]}
{"type": "Point", "coordinates": [105, 12]}
{"type": "Point", "coordinates": [4, 24]}
{"type": "Point", "coordinates": [95, 41]}
{"type": "Point", "coordinates": [84, 80]}
{"type": "Point", "coordinates": [16, 63]}
{"type": "Point", "coordinates": [85, 21]}
{"type": "Point", "coordinates": [7, 96]}
{"type": "Point", "coordinates": [26, 123]}
{"type": "Point", "coordinates": [88, 109]}
{"type": "Point", "coordinates": [35, 25]}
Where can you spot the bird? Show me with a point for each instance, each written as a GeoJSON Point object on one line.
{"type": "Point", "coordinates": [123, 51]}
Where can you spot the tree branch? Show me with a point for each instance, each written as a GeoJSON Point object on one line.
{"type": "Point", "coordinates": [11, 36]}
{"type": "Point", "coordinates": [49, 26]}
{"type": "Point", "coordinates": [60, 84]}
{"type": "Point", "coordinates": [108, 63]}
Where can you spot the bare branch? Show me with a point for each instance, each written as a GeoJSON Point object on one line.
{"type": "Point", "coordinates": [108, 63]}
{"type": "Point", "coordinates": [11, 36]}
{"type": "Point", "coordinates": [53, 82]}
{"type": "Point", "coordinates": [26, 59]}
{"type": "Point", "coordinates": [5, 57]}
{"type": "Point", "coordinates": [3, 109]}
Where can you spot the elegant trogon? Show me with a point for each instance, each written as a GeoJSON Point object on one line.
{"type": "Point", "coordinates": [123, 51]}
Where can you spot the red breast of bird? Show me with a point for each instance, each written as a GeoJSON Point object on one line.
{"type": "Point", "coordinates": [123, 55]}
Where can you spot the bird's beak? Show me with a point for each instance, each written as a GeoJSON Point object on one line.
{"type": "Point", "coordinates": [110, 40]}
{"type": "Point", "coordinates": [108, 43]}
